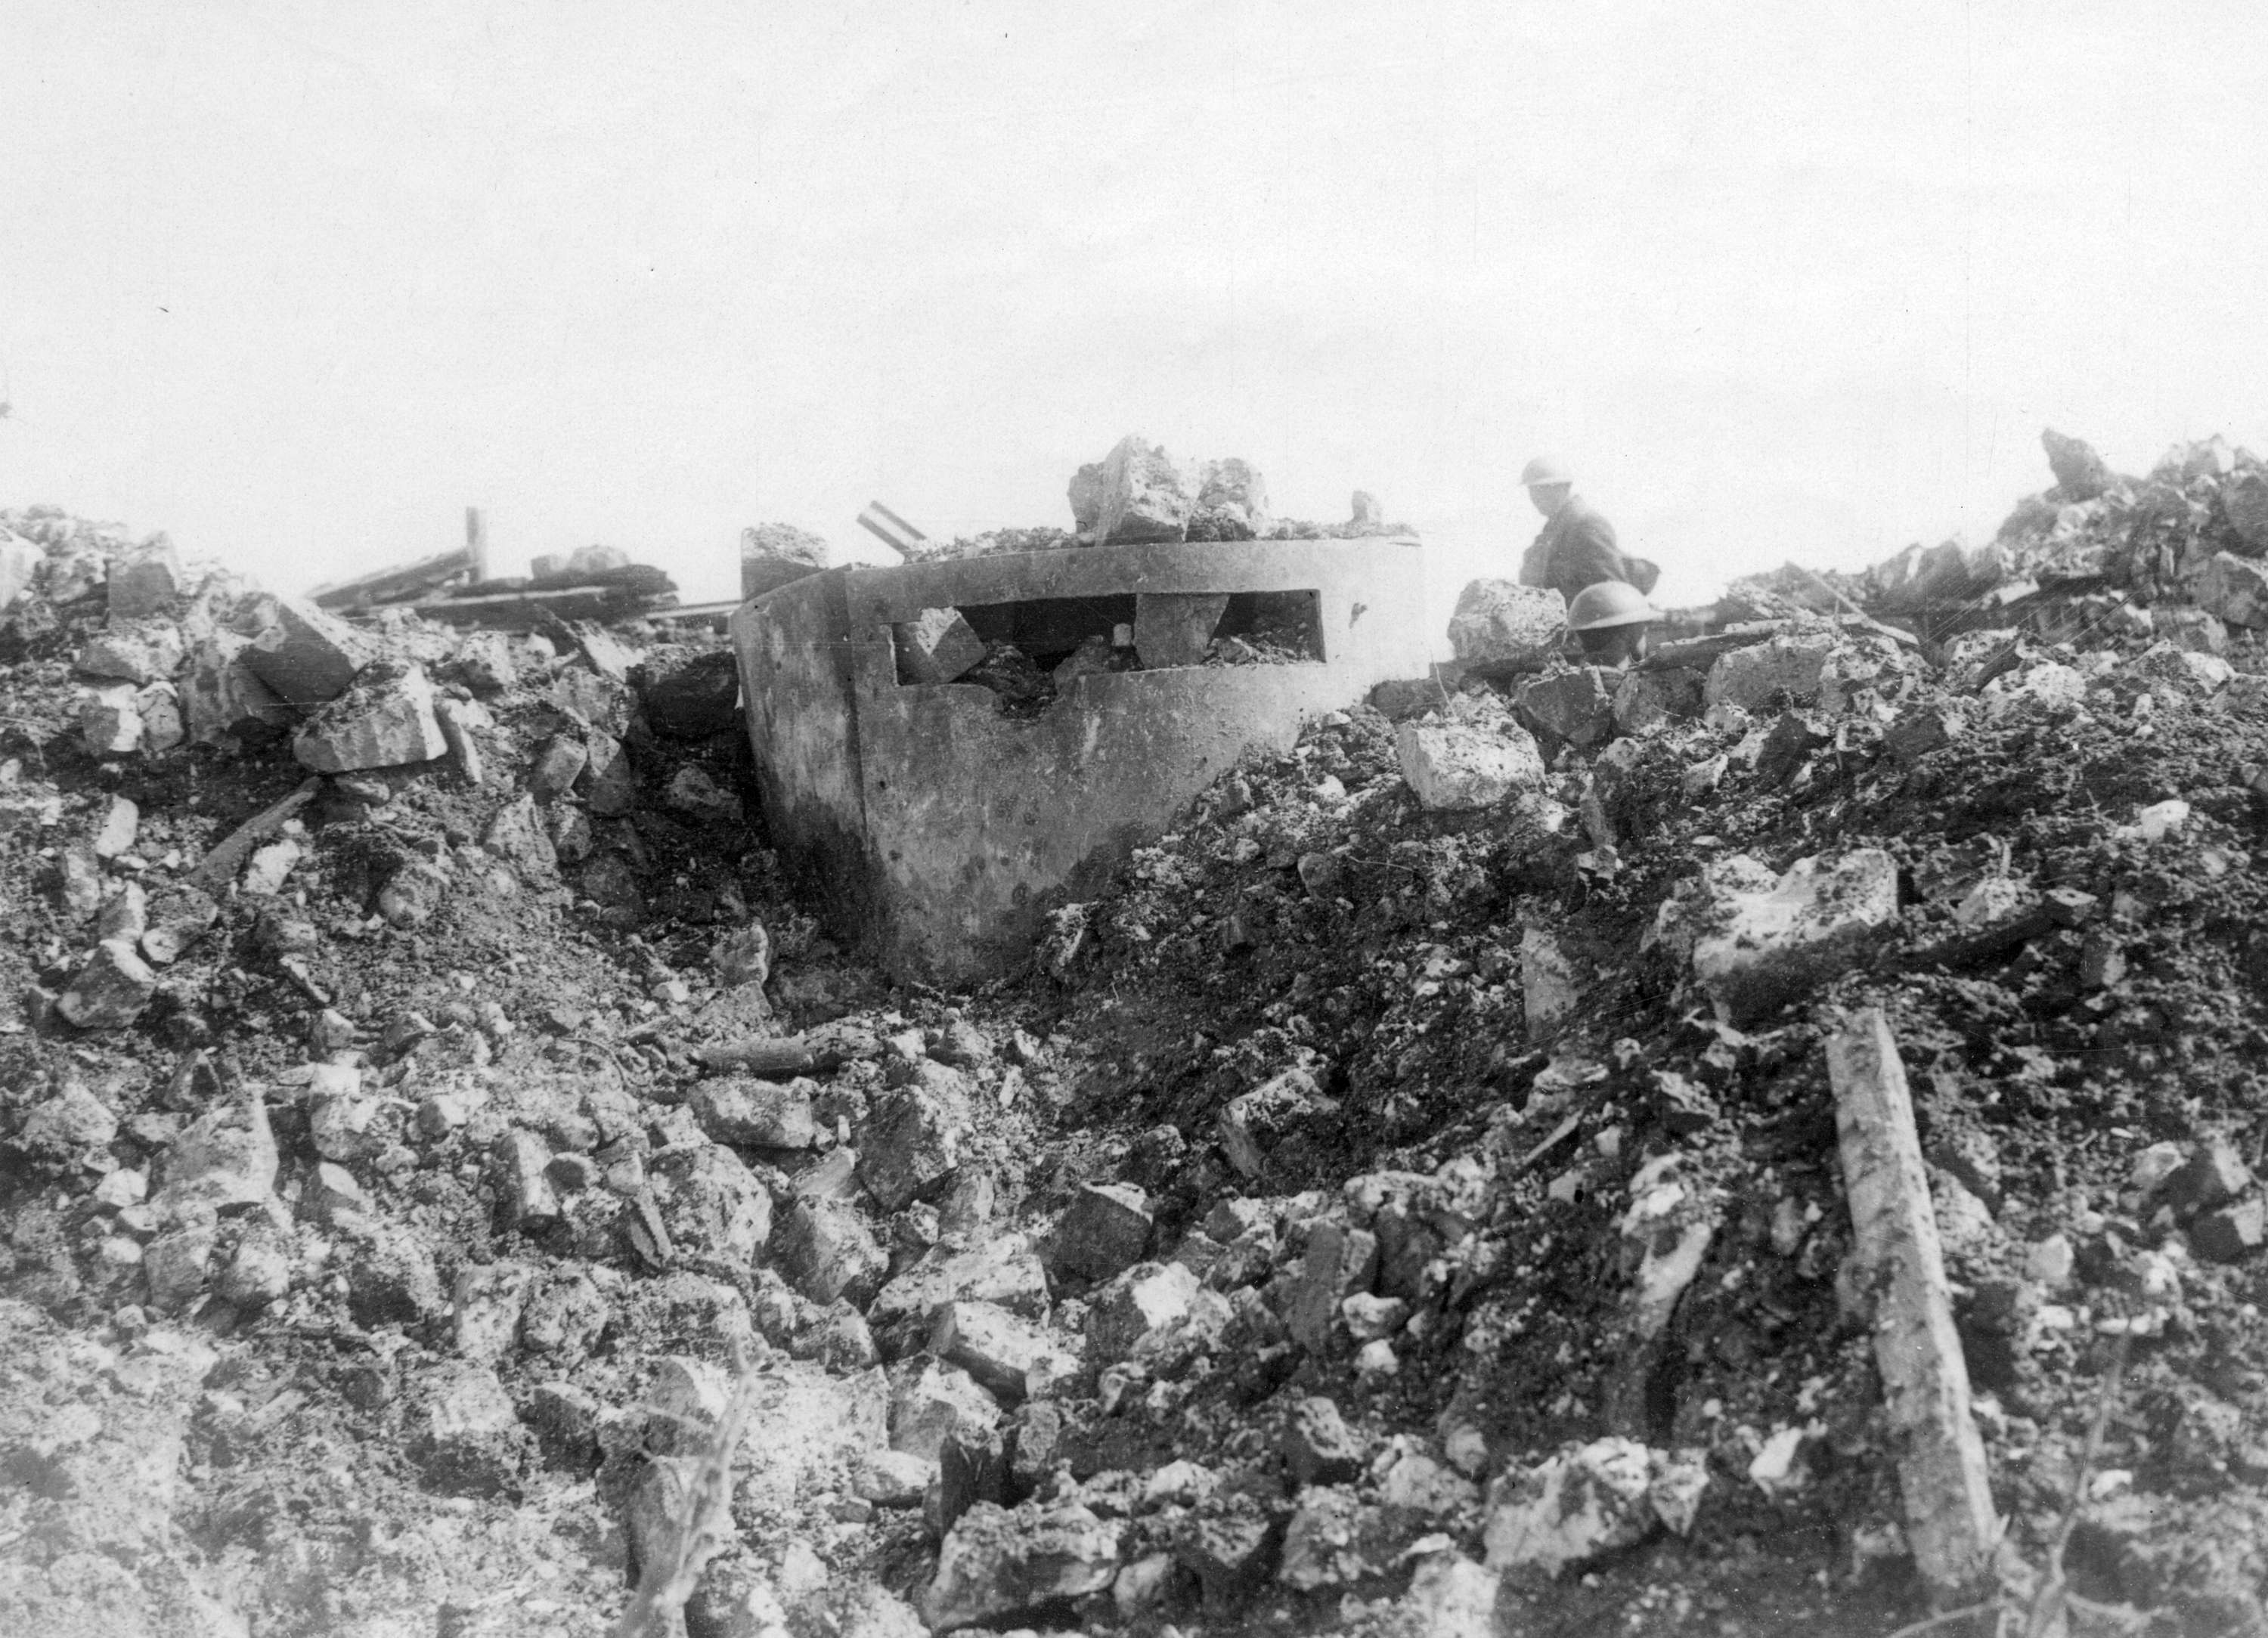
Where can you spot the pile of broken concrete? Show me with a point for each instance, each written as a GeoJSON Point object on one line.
{"type": "Point", "coordinates": [1140, 494]}
{"type": "Point", "coordinates": [2098, 547]}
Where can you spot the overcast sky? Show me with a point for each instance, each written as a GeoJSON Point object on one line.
{"type": "Point", "coordinates": [298, 282]}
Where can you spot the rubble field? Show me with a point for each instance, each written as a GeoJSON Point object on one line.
{"type": "Point", "coordinates": [452, 1185]}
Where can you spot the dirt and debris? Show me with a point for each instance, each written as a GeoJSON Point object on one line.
{"type": "Point", "coordinates": [1406, 1200]}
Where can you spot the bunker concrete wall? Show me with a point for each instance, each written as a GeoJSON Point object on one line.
{"type": "Point", "coordinates": [945, 831]}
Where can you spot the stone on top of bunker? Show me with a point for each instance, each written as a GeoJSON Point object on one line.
{"type": "Point", "coordinates": [1146, 494]}
{"type": "Point", "coordinates": [774, 553]}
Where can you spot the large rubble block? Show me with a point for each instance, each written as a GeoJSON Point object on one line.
{"type": "Point", "coordinates": [385, 720]}
{"type": "Point", "coordinates": [1146, 495]}
{"type": "Point", "coordinates": [304, 655]}
{"type": "Point", "coordinates": [2234, 588]}
{"type": "Point", "coordinates": [1759, 939]}
{"type": "Point", "coordinates": [1504, 621]}
{"type": "Point", "coordinates": [773, 554]}
{"type": "Point", "coordinates": [1232, 501]}
{"type": "Point", "coordinates": [1461, 765]}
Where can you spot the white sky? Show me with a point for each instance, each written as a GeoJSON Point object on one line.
{"type": "Point", "coordinates": [298, 282]}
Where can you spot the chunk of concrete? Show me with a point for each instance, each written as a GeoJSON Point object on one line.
{"type": "Point", "coordinates": [1232, 492]}
{"type": "Point", "coordinates": [711, 1203]}
{"type": "Point", "coordinates": [1577, 705]}
{"type": "Point", "coordinates": [1570, 1509]}
{"type": "Point", "coordinates": [559, 763]}
{"type": "Point", "coordinates": [392, 1280]}
{"type": "Point", "coordinates": [756, 1115]}
{"type": "Point", "coordinates": [226, 1156]}
{"type": "Point", "coordinates": [1085, 493]}
{"type": "Point", "coordinates": [1175, 628]}
{"type": "Point", "coordinates": [74, 1119]}
{"type": "Point", "coordinates": [1458, 766]}
{"type": "Point", "coordinates": [996, 1563]}
{"type": "Point", "coordinates": [1765, 675]}
{"type": "Point", "coordinates": [1550, 988]}
{"type": "Point", "coordinates": [484, 663]}
{"type": "Point", "coordinates": [936, 646]}
{"type": "Point", "coordinates": [2234, 588]}
{"type": "Point", "coordinates": [1335, 1539]}
{"type": "Point", "coordinates": [522, 1161]}
{"type": "Point", "coordinates": [824, 1249]}
{"type": "Point", "coordinates": [108, 723]}
{"type": "Point", "coordinates": [159, 705]}
{"type": "Point", "coordinates": [470, 1441]}
{"type": "Point", "coordinates": [2244, 501]}
{"type": "Point", "coordinates": [1148, 1299]}
{"type": "Point", "coordinates": [121, 821]}
{"type": "Point", "coordinates": [19, 566]}
{"type": "Point", "coordinates": [909, 1146]}
{"type": "Point", "coordinates": [774, 553]}
{"type": "Point", "coordinates": [385, 719]}
{"type": "Point", "coordinates": [138, 651]}
{"type": "Point", "coordinates": [1146, 495]}
{"type": "Point", "coordinates": [1338, 1262]}
{"type": "Point", "coordinates": [1644, 699]}
{"type": "Point", "coordinates": [1769, 940]}
{"type": "Point", "coordinates": [932, 1400]}
{"type": "Point", "coordinates": [1319, 1448]}
{"type": "Point", "coordinates": [1008, 1354]}
{"type": "Point", "coordinates": [518, 836]}
{"type": "Point", "coordinates": [145, 580]}
{"type": "Point", "coordinates": [1451, 1596]}
{"type": "Point", "coordinates": [1503, 620]}
{"type": "Point", "coordinates": [608, 782]}
{"type": "Point", "coordinates": [1003, 1271]}
{"type": "Point", "coordinates": [222, 696]}
{"type": "Point", "coordinates": [1104, 1230]}
{"type": "Point", "coordinates": [111, 988]}
{"type": "Point", "coordinates": [486, 1307]}
{"type": "Point", "coordinates": [305, 657]}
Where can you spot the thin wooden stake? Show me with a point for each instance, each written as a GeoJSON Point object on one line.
{"type": "Point", "coordinates": [1950, 1522]}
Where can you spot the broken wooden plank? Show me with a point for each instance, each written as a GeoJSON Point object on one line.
{"type": "Point", "coordinates": [778, 1059]}
{"type": "Point", "coordinates": [1905, 638]}
{"type": "Point", "coordinates": [402, 581]}
{"type": "Point", "coordinates": [1950, 1524]}
{"type": "Point", "coordinates": [218, 868]}
{"type": "Point", "coordinates": [524, 610]}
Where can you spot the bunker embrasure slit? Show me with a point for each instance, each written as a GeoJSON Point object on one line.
{"type": "Point", "coordinates": [1028, 652]}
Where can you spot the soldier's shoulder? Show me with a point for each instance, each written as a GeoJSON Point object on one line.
{"type": "Point", "coordinates": [1582, 515]}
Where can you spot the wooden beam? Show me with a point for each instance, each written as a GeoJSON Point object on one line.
{"type": "Point", "coordinates": [388, 585]}
{"type": "Point", "coordinates": [1950, 1524]}
{"type": "Point", "coordinates": [218, 868]}
{"type": "Point", "coordinates": [526, 610]}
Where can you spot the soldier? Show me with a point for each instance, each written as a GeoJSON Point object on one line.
{"type": "Point", "coordinates": [1612, 621]}
{"type": "Point", "coordinates": [1576, 547]}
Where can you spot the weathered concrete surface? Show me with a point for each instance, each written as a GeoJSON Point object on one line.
{"type": "Point", "coordinates": [944, 831]}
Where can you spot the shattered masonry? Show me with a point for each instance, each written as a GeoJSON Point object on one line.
{"type": "Point", "coordinates": [1405, 1197]}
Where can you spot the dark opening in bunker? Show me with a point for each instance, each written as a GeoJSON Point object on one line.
{"type": "Point", "coordinates": [1028, 652]}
